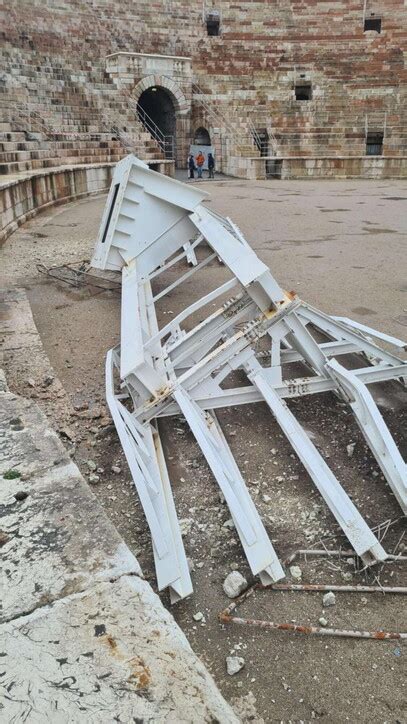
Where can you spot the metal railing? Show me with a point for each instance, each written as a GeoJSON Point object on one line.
{"type": "Point", "coordinates": [264, 145]}
{"type": "Point", "coordinates": [33, 122]}
{"type": "Point", "coordinates": [246, 142]}
{"type": "Point", "coordinates": [166, 142]}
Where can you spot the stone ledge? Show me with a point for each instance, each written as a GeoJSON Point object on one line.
{"type": "Point", "coordinates": [59, 541]}
{"type": "Point", "coordinates": [82, 635]}
{"type": "Point", "coordinates": [24, 197]}
{"type": "Point", "coordinates": [112, 653]}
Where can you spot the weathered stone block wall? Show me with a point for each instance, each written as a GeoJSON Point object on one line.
{"type": "Point", "coordinates": [54, 57]}
{"type": "Point", "coordinates": [23, 198]}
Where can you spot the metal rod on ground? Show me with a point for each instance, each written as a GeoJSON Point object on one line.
{"type": "Point", "coordinates": [226, 617]}
{"type": "Point", "coordinates": [333, 553]}
{"type": "Point", "coordinates": [343, 589]}
{"type": "Point", "coordinates": [315, 630]}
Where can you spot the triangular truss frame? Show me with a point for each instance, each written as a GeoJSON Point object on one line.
{"type": "Point", "coordinates": [152, 224]}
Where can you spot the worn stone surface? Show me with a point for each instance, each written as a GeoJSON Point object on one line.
{"type": "Point", "coordinates": [82, 635]}
{"type": "Point", "coordinates": [111, 653]}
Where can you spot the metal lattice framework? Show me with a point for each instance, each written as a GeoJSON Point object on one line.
{"type": "Point", "coordinates": [152, 224]}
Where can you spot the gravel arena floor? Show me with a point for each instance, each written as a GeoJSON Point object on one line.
{"type": "Point", "coordinates": [341, 245]}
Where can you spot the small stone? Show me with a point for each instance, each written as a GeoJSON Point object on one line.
{"type": "Point", "coordinates": [350, 449]}
{"type": "Point", "coordinates": [67, 433]}
{"type": "Point", "coordinates": [191, 565]}
{"type": "Point", "coordinates": [234, 584]}
{"type": "Point", "coordinates": [200, 565]}
{"type": "Point", "coordinates": [116, 469]}
{"type": "Point", "coordinates": [93, 479]}
{"type": "Point", "coordinates": [266, 498]}
{"type": "Point", "coordinates": [4, 538]}
{"type": "Point", "coordinates": [329, 599]}
{"type": "Point", "coordinates": [322, 621]}
{"type": "Point", "coordinates": [48, 380]}
{"type": "Point", "coordinates": [346, 575]}
{"type": "Point", "coordinates": [31, 382]}
{"type": "Point", "coordinates": [296, 573]}
{"type": "Point", "coordinates": [198, 616]}
{"type": "Point", "coordinates": [234, 664]}
{"type": "Point", "coordinates": [91, 465]}
{"type": "Point", "coordinates": [185, 525]}
{"type": "Point", "coordinates": [228, 524]}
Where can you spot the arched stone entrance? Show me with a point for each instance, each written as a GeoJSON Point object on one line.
{"type": "Point", "coordinates": [202, 137]}
{"type": "Point", "coordinates": [164, 102]}
{"type": "Point", "coordinates": [156, 111]}
{"type": "Point", "coordinates": [157, 103]}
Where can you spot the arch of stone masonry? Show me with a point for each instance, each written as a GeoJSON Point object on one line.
{"type": "Point", "coordinates": [182, 109]}
{"type": "Point", "coordinates": [180, 102]}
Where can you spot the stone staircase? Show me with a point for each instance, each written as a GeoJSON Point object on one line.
{"type": "Point", "coordinates": [53, 115]}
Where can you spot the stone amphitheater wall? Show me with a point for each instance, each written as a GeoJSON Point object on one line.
{"type": "Point", "coordinates": [54, 58]}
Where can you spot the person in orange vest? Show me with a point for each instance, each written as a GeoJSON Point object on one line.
{"type": "Point", "coordinates": [200, 160]}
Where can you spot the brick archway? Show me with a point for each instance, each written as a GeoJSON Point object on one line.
{"type": "Point", "coordinates": [180, 102]}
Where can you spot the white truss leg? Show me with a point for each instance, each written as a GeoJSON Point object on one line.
{"type": "Point", "coordinates": [355, 528]}
{"type": "Point", "coordinates": [340, 331]}
{"type": "Point", "coordinates": [375, 430]}
{"type": "Point", "coordinates": [259, 551]}
{"type": "Point", "coordinates": [145, 459]}
{"type": "Point", "coordinates": [190, 254]}
{"type": "Point", "coordinates": [395, 341]}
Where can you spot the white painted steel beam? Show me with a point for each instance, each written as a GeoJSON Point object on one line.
{"type": "Point", "coordinates": [374, 429]}
{"type": "Point", "coordinates": [255, 541]}
{"type": "Point", "coordinates": [153, 224]}
{"type": "Point", "coordinates": [142, 448]}
{"type": "Point", "coordinates": [355, 528]}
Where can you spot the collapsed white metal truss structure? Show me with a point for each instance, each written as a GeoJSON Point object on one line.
{"type": "Point", "coordinates": [153, 224]}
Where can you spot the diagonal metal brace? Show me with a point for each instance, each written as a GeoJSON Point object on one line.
{"type": "Point", "coordinates": [374, 429]}
{"type": "Point", "coordinates": [353, 525]}
{"type": "Point", "coordinates": [257, 546]}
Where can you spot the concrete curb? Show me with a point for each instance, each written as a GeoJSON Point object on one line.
{"type": "Point", "coordinates": [82, 636]}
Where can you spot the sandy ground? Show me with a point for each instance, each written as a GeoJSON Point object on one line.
{"type": "Point", "coordinates": [342, 247]}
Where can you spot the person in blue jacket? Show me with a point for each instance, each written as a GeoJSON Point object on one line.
{"type": "Point", "coordinates": [191, 166]}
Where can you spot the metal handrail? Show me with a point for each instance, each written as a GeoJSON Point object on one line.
{"type": "Point", "coordinates": [165, 141]}
{"type": "Point", "coordinates": [263, 145]}
{"type": "Point", "coordinates": [246, 141]}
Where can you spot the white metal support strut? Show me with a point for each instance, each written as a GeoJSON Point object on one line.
{"type": "Point", "coordinates": [255, 541]}
{"type": "Point", "coordinates": [374, 429]}
{"type": "Point", "coordinates": [355, 528]}
{"type": "Point", "coordinates": [157, 230]}
{"type": "Point", "coordinates": [151, 479]}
